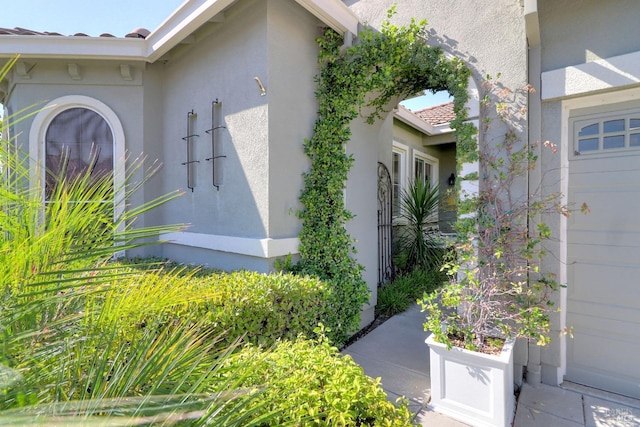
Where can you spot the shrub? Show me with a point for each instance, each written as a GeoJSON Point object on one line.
{"type": "Point", "coordinates": [261, 307]}
{"type": "Point", "coordinates": [398, 295]}
{"type": "Point", "coordinates": [308, 382]}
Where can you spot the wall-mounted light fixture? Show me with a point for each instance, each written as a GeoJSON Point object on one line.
{"type": "Point", "coordinates": [452, 180]}
{"type": "Point", "coordinates": [263, 91]}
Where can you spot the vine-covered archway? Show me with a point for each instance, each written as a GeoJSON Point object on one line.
{"type": "Point", "coordinates": [382, 66]}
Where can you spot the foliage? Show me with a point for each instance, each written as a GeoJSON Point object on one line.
{"type": "Point", "coordinates": [397, 296]}
{"type": "Point", "coordinates": [261, 308]}
{"type": "Point", "coordinates": [52, 261]}
{"type": "Point", "coordinates": [418, 240]}
{"type": "Point", "coordinates": [309, 383]}
{"type": "Point", "coordinates": [497, 285]}
{"type": "Point", "coordinates": [378, 70]}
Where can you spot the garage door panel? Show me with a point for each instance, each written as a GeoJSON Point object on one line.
{"type": "Point", "coordinates": [603, 266]}
{"type": "Point", "coordinates": [597, 318]}
{"type": "Point", "coordinates": [589, 364]}
{"type": "Point", "coordinates": [611, 351]}
{"type": "Point", "coordinates": [593, 282]}
{"type": "Point", "coordinates": [612, 208]}
{"type": "Point", "coordinates": [605, 164]}
{"type": "Point", "coordinates": [605, 241]}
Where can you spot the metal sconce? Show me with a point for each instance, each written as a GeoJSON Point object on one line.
{"type": "Point", "coordinates": [263, 91]}
{"type": "Point", "coordinates": [189, 143]}
{"type": "Point", "coordinates": [452, 180]}
{"type": "Point", "coordinates": [214, 146]}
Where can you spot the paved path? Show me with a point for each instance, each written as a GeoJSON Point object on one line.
{"type": "Point", "coordinates": [396, 352]}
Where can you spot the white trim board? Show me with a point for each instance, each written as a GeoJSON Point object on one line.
{"type": "Point", "coordinates": [262, 248]}
{"type": "Point", "coordinates": [609, 73]}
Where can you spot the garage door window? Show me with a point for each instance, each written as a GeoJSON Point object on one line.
{"type": "Point", "coordinates": [607, 134]}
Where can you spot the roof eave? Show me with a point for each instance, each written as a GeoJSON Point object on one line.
{"type": "Point", "coordinates": [406, 116]}
{"type": "Point", "coordinates": [30, 46]}
{"type": "Point", "coordinates": [334, 13]}
{"type": "Point", "coordinates": [190, 16]}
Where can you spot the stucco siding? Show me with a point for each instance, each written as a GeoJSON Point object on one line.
{"type": "Point", "coordinates": [573, 34]}
{"type": "Point", "coordinates": [361, 200]}
{"type": "Point", "coordinates": [221, 64]}
{"type": "Point", "coordinates": [292, 109]}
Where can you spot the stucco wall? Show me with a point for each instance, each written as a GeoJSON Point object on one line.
{"type": "Point", "coordinates": [49, 79]}
{"type": "Point", "coordinates": [221, 64]}
{"type": "Point", "coordinates": [487, 34]}
{"type": "Point", "coordinates": [293, 64]}
{"type": "Point", "coordinates": [573, 33]}
{"type": "Point", "coordinates": [262, 173]}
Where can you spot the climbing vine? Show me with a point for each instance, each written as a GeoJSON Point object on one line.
{"type": "Point", "coordinates": [380, 69]}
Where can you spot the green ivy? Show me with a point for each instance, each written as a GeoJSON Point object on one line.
{"type": "Point", "coordinates": [377, 71]}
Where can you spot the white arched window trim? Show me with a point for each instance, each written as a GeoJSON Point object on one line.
{"type": "Point", "coordinates": [38, 132]}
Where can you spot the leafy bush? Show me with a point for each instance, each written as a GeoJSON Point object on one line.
{"type": "Point", "coordinates": [260, 307]}
{"type": "Point", "coordinates": [398, 295]}
{"type": "Point", "coordinates": [309, 383]}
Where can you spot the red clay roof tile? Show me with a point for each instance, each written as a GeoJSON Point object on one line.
{"type": "Point", "coordinates": [438, 114]}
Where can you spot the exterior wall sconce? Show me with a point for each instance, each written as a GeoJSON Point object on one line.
{"type": "Point", "coordinates": [452, 180]}
{"type": "Point", "coordinates": [263, 91]}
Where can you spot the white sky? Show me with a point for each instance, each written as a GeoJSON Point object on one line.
{"type": "Point", "coordinates": [92, 17]}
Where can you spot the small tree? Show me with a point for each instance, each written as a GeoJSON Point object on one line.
{"type": "Point", "coordinates": [497, 288]}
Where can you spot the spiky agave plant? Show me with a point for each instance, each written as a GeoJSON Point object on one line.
{"type": "Point", "coordinates": [56, 368]}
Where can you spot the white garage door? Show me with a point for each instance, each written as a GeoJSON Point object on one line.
{"type": "Point", "coordinates": [603, 304]}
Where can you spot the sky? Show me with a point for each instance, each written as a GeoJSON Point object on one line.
{"type": "Point", "coordinates": [92, 17]}
{"type": "Point", "coordinates": [427, 100]}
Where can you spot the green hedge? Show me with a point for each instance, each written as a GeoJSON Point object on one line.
{"type": "Point", "coordinates": [308, 382]}
{"type": "Point", "coordinates": [265, 307]}
{"type": "Point", "coordinates": [261, 307]}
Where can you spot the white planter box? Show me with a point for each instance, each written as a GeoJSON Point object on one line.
{"type": "Point", "coordinates": [472, 387]}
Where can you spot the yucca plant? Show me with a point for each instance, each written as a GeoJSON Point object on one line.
{"type": "Point", "coordinates": [417, 241]}
{"type": "Point", "coordinates": [56, 367]}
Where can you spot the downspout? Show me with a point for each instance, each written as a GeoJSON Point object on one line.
{"type": "Point", "coordinates": [534, 128]}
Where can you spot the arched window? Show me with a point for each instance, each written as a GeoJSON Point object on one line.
{"type": "Point", "coordinates": [77, 132]}
{"type": "Point", "coordinates": [77, 140]}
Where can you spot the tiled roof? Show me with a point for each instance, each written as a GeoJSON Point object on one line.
{"type": "Point", "coordinates": [438, 114]}
{"type": "Point", "coordinates": [18, 31]}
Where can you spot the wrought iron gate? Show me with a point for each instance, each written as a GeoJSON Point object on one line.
{"type": "Point", "coordinates": [385, 226]}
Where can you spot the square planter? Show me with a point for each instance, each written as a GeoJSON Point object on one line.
{"type": "Point", "coordinates": [472, 387]}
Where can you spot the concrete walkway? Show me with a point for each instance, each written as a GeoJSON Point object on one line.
{"type": "Point", "coordinates": [396, 352]}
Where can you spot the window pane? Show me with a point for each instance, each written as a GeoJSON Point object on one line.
{"type": "Point", "coordinates": [396, 182]}
{"type": "Point", "coordinates": [590, 144]}
{"type": "Point", "coordinates": [634, 140]}
{"type": "Point", "coordinates": [80, 138]}
{"type": "Point", "coordinates": [614, 126]}
{"type": "Point", "coordinates": [419, 170]}
{"type": "Point", "coordinates": [610, 142]}
{"type": "Point", "coordinates": [634, 124]}
{"type": "Point", "coordinates": [590, 130]}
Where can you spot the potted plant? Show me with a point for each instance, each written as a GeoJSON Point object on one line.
{"type": "Point", "coordinates": [497, 291]}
